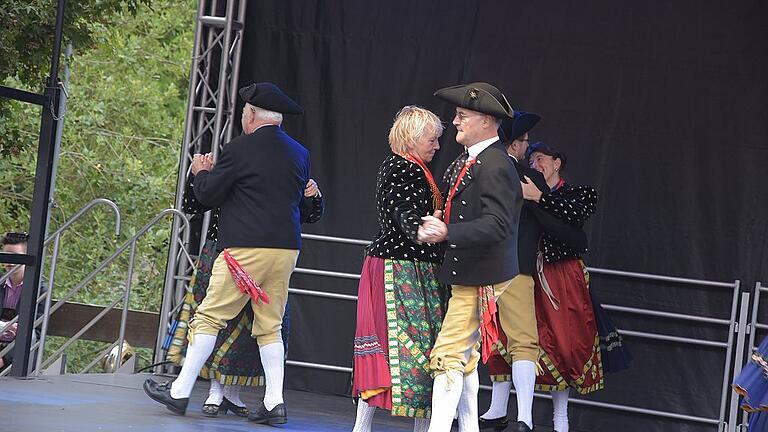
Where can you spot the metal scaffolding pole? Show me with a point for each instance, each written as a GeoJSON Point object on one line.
{"type": "Point", "coordinates": [209, 124]}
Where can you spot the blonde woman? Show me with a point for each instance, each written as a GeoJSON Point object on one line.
{"type": "Point", "coordinates": [400, 303]}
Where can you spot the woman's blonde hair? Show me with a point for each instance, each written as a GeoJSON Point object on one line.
{"type": "Point", "coordinates": [411, 123]}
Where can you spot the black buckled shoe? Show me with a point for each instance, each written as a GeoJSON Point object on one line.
{"type": "Point", "coordinates": [161, 392]}
{"type": "Point", "coordinates": [276, 415]}
{"type": "Point", "coordinates": [237, 410]}
{"type": "Point", "coordinates": [498, 424]}
{"type": "Point", "coordinates": [520, 427]}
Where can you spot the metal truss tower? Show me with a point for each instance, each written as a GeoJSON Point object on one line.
{"type": "Point", "coordinates": [209, 124]}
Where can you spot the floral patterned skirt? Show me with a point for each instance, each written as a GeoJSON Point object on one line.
{"type": "Point", "coordinates": [400, 309]}
{"type": "Point", "coordinates": [235, 359]}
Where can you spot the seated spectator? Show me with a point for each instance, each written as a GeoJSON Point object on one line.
{"type": "Point", "coordinates": [10, 292]}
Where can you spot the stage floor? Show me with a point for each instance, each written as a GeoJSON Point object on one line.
{"type": "Point", "coordinates": [117, 403]}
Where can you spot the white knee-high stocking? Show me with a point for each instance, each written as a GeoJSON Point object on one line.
{"type": "Point", "coordinates": [197, 353]}
{"type": "Point", "coordinates": [273, 360]}
{"type": "Point", "coordinates": [560, 411]}
{"type": "Point", "coordinates": [468, 403]}
{"type": "Point", "coordinates": [446, 392]}
{"type": "Point", "coordinates": [524, 378]}
{"type": "Point", "coordinates": [499, 400]}
{"type": "Point", "coordinates": [364, 417]}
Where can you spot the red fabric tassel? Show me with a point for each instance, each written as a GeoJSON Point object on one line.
{"type": "Point", "coordinates": [489, 325]}
{"type": "Point", "coordinates": [243, 280]}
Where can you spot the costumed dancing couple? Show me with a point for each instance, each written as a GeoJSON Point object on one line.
{"type": "Point", "coordinates": [472, 237]}
{"type": "Point", "coordinates": [262, 192]}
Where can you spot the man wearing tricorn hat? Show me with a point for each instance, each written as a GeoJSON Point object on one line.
{"type": "Point", "coordinates": [258, 184]}
{"type": "Point", "coordinates": [480, 228]}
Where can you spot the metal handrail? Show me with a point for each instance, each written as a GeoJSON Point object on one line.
{"type": "Point", "coordinates": [56, 236]}
{"type": "Point", "coordinates": [130, 243]}
{"type": "Point", "coordinates": [84, 210]}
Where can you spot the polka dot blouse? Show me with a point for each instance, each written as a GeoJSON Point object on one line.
{"type": "Point", "coordinates": [572, 204]}
{"type": "Point", "coordinates": [403, 196]}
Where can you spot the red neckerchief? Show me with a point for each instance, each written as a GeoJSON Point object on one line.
{"type": "Point", "coordinates": [437, 197]}
{"type": "Point", "coordinates": [447, 216]}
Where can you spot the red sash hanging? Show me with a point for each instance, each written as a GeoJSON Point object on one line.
{"type": "Point", "coordinates": [489, 325]}
{"type": "Point", "coordinates": [243, 280]}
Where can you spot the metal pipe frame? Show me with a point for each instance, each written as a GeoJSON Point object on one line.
{"type": "Point", "coordinates": [56, 237]}
{"type": "Point", "coordinates": [210, 111]}
{"type": "Point", "coordinates": [125, 297]}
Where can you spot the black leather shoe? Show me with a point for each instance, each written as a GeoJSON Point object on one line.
{"type": "Point", "coordinates": [237, 410]}
{"type": "Point", "coordinates": [497, 424]}
{"type": "Point", "coordinates": [161, 392]}
{"type": "Point", "coordinates": [520, 427]}
{"type": "Point", "coordinates": [276, 415]}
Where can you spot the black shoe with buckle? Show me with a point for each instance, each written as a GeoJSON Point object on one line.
{"type": "Point", "coordinates": [276, 415]}
{"type": "Point", "coordinates": [161, 392]}
{"type": "Point", "coordinates": [237, 410]}
{"type": "Point", "coordinates": [521, 427]}
{"type": "Point", "coordinates": [497, 424]}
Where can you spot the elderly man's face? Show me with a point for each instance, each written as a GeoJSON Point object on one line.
{"type": "Point", "coordinates": [469, 126]}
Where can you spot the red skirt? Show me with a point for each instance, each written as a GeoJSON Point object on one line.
{"type": "Point", "coordinates": [570, 346]}
{"type": "Point", "coordinates": [371, 363]}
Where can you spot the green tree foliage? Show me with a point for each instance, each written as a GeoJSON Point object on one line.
{"type": "Point", "coordinates": [122, 133]}
{"type": "Point", "coordinates": [26, 43]}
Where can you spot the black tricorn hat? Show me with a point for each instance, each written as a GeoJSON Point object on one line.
{"type": "Point", "coordinates": [513, 128]}
{"type": "Point", "coordinates": [269, 96]}
{"type": "Point", "coordinates": [547, 150]}
{"type": "Point", "coordinates": [478, 96]}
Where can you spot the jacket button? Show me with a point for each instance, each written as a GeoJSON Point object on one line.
{"type": "Point", "coordinates": [453, 273]}
{"type": "Point", "coordinates": [463, 202]}
{"type": "Point", "coordinates": [461, 217]}
{"type": "Point", "coordinates": [453, 246]}
{"type": "Point", "coordinates": [455, 259]}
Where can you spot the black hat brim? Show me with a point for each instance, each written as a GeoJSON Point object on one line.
{"type": "Point", "coordinates": [269, 97]}
{"type": "Point", "coordinates": [480, 97]}
{"type": "Point", "coordinates": [513, 128]}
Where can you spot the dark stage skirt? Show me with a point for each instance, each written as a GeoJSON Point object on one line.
{"type": "Point", "coordinates": [613, 350]}
{"type": "Point", "coordinates": [752, 384]}
{"type": "Point", "coordinates": [568, 336]}
{"type": "Point", "coordinates": [235, 359]}
{"type": "Point", "coordinates": [400, 308]}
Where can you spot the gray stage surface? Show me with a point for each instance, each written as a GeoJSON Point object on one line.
{"type": "Point", "coordinates": [116, 403]}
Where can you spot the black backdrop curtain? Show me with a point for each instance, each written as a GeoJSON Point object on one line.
{"type": "Point", "coordinates": [660, 105]}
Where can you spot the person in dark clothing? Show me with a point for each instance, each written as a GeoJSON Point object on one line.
{"type": "Point", "coordinates": [235, 360]}
{"type": "Point", "coordinates": [258, 184]}
{"type": "Point", "coordinates": [480, 228]}
{"type": "Point", "coordinates": [514, 133]}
